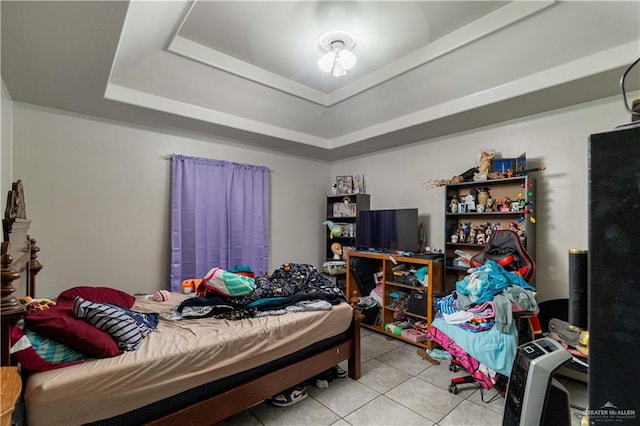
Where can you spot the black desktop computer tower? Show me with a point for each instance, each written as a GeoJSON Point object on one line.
{"type": "Point", "coordinates": [614, 277]}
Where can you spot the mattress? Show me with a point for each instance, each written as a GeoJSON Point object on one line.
{"type": "Point", "coordinates": [178, 356]}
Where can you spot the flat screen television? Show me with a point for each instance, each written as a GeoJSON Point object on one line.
{"type": "Point", "coordinates": [394, 229]}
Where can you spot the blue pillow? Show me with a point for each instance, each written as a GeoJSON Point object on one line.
{"type": "Point", "coordinates": [128, 328]}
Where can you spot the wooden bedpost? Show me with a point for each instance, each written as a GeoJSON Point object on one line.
{"type": "Point", "coordinates": [34, 266]}
{"type": "Point", "coordinates": [10, 308]}
{"type": "Point", "coordinates": [355, 370]}
{"type": "Point", "coordinates": [19, 265]}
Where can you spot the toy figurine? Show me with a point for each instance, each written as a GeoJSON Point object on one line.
{"type": "Point", "coordinates": [461, 233]}
{"type": "Point", "coordinates": [505, 204]}
{"type": "Point", "coordinates": [453, 205]}
{"type": "Point", "coordinates": [483, 197]}
{"type": "Point", "coordinates": [335, 230]}
{"type": "Point", "coordinates": [522, 235]}
{"type": "Point", "coordinates": [485, 161]}
{"type": "Point", "coordinates": [470, 201]}
{"type": "Point", "coordinates": [473, 233]}
{"type": "Point", "coordinates": [480, 238]}
{"type": "Point", "coordinates": [466, 230]}
{"type": "Point", "coordinates": [490, 203]}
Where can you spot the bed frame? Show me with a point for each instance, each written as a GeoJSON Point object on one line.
{"type": "Point", "coordinates": [244, 396]}
{"type": "Point", "coordinates": [20, 264]}
{"type": "Point", "coordinates": [25, 266]}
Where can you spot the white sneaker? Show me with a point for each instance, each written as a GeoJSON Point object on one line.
{"type": "Point", "coordinates": [322, 384]}
{"type": "Point", "coordinates": [290, 396]}
{"type": "Point", "coordinates": [339, 372]}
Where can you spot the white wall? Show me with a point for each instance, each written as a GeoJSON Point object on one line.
{"type": "Point", "coordinates": [6, 144]}
{"type": "Point", "coordinates": [98, 191]}
{"type": "Point", "coordinates": [98, 194]}
{"type": "Point", "coordinates": [559, 140]}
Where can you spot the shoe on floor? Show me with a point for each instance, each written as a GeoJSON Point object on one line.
{"type": "Point", "coordinates": [339, 372]}
{"type": "Point", "coordinates": [290, 396]}
{"type": "Point", "coordinates": [322, 384]}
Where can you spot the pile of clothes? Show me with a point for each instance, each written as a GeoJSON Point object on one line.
{"type": "Point", "coordinates": [292, 287]}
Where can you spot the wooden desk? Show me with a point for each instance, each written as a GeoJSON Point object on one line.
{"type": "Point", "coordinates": [11, 386]}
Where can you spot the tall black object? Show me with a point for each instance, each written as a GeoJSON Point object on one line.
{"type": "Point", "coordinates": [578, 288]}
{"type": "Point", "coordinates": [614, 276]}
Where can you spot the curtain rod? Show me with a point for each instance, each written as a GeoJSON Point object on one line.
{"type": "Point", "coordinates": [170, 156]}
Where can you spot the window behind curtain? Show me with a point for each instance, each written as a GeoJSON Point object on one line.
{"type": "Point", "coordinates": [219, 217]}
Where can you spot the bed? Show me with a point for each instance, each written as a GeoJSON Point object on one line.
{"type": "Point", "coordinates": [195, 371]}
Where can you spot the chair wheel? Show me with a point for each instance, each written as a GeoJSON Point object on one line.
{"type": "Point", "coordinates": [453, 389]}
{"type": "Point", "coordinates": [453, 368]}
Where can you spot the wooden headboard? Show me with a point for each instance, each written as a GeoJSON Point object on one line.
{"type": "Point", "coordinates": [19, 265]}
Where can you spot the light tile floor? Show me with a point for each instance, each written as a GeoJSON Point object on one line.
{"type": "Point", "coordinates": [397, 387]}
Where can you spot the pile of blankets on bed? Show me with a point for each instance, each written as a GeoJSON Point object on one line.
{"type": "Point", "coordinates": [292, 287]}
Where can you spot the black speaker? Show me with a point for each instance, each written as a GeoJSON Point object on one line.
{"type": "Point", "coordinates": [614, 277]}
{"type": "Point", "coordinates": [578, 288]}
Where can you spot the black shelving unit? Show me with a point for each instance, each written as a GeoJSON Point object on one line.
{"type": "Point", "coordinates": [520, 190]}
{"type": "Point", "coordinates": [344, 209]}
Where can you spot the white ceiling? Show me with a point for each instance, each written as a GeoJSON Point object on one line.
{"type": "Point", "coordinates": [245, 71]}
{"type": "Point", "coordinates": [240, 38]}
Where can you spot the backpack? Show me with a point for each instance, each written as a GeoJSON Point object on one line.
{"type": "Point", "coordinates": [505, 248]}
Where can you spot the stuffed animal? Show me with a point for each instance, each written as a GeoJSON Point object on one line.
{"type": "Point", "coordinates": [161, 296]}
{"type": "Point", "coordinates": [335, 230]}
{"type": "Point", "coordinates": [190, 285]}
{"type": "Point", "coordinates": [36, 305]}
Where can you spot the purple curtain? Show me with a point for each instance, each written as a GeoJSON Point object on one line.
{"type": "Point", "coordinates": [219, 217]}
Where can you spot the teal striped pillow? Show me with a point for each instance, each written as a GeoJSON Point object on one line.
{"type": "Point", "coordinates": [52, 351]}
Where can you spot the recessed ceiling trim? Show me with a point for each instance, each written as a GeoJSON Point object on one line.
{"type": "Point", "coordinates": [139, 98]}
{"type": "Point", "coordinates": [486, 25]}
{"type": "Point", "coordinates": [138, 39]}
{"type": "Point", "coordinates": [575, 70]}
{"type": "Point", "coordinates": [213, 58]}
{"type": "Point", "coordinates": [600, 62]}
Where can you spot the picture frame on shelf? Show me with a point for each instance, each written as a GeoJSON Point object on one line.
{"type": "Point", "coordinates": [344, 185]}
{"type": "Point", "coordinates": [521, 163]}
{"type": "Point", "coordinates": [344, 209]}
{"type": "Point", "coordinates": [358, 184]}
{"type": "Point", "coordinates": [503, 165]}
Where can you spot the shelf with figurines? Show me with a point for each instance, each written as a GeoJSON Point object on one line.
{"type": "Point", "coordinates": [497, 194]}
{"type": "Point", "coordinates": [340, 223]}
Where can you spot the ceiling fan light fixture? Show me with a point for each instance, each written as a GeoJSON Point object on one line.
{"type": "Point", "coordinates": [347, 59]}
{"type": "Point", "coordinates": [339, 58]}
{"type": "Point", "coordinates": [325, 63]}
{"type": "Point", "coordinates": [338, 70]}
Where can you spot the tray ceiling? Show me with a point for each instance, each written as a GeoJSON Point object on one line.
{"type": "Point", "coordinates": [246, 70]}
